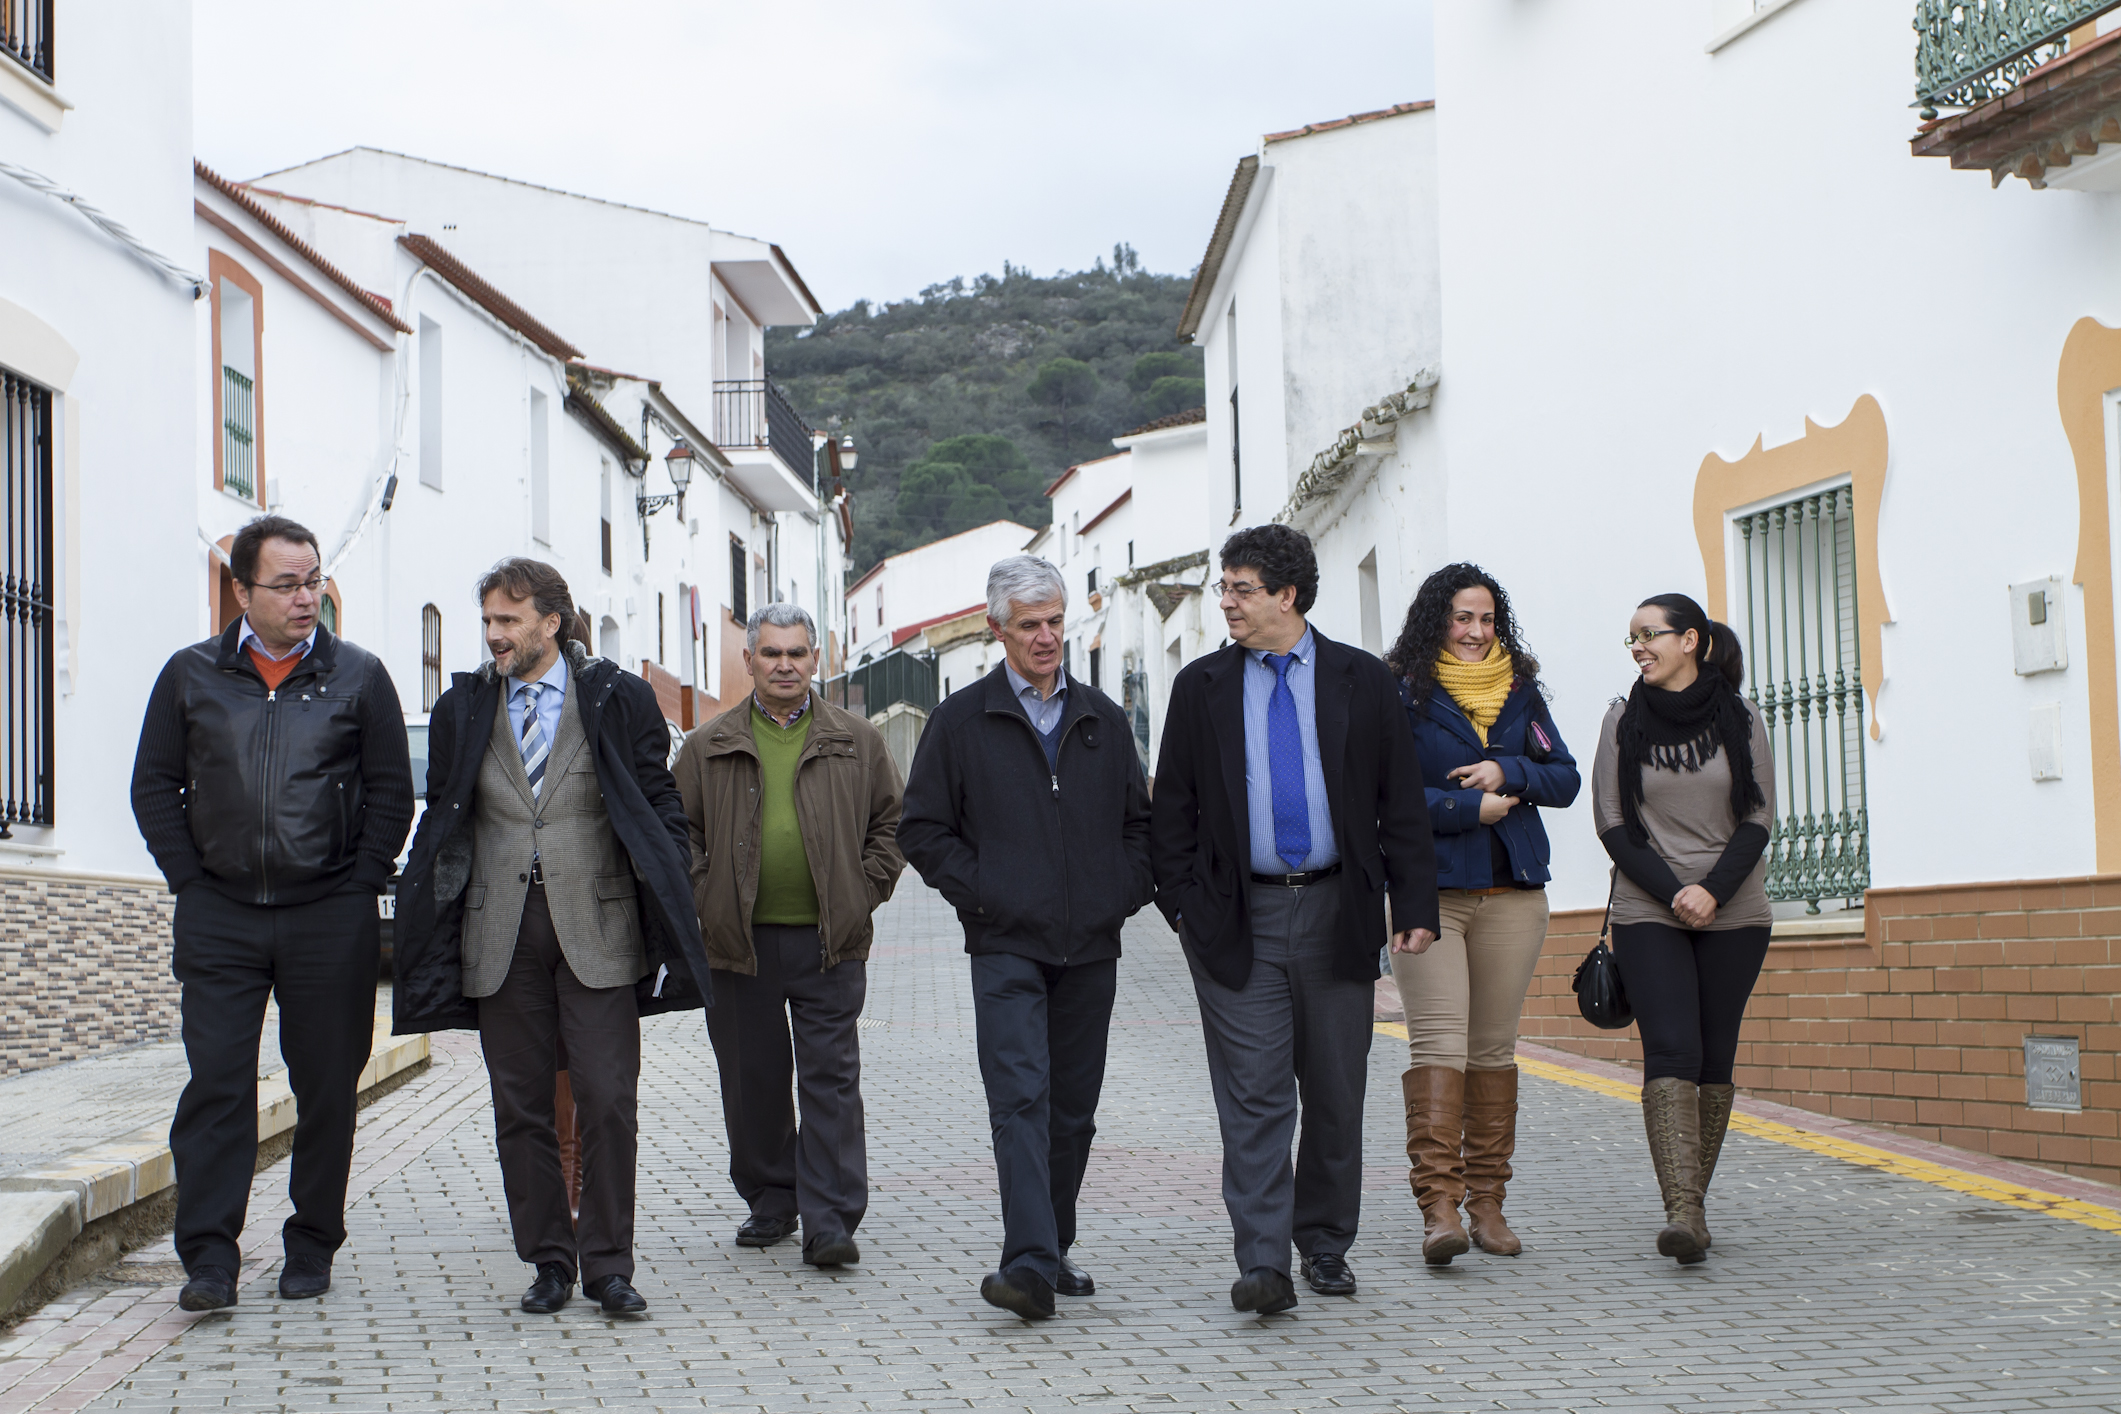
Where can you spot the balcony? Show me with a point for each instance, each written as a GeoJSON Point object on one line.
{"type": "Point", "coordinates": [766, 441]}
{"type": "Point", "coordinates": [2033, 80]}
{"type": "Point", "coordinates": [26, 34]}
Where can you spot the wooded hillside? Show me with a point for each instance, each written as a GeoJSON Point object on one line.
{"type": "Point", "coordinates": [966, 402]}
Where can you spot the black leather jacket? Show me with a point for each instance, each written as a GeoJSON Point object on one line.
{"type": "Point", "coordinates": [273, 797]}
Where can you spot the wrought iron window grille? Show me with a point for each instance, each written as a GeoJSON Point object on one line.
{"type": "Point", "coordinates": [1804, 674]}
{"type": "Point", "coordinates": [27, 664]}
{"type": "Point", "coordinates": [239, 440]}
{"type": "Point", "coordinates": [26, 34]}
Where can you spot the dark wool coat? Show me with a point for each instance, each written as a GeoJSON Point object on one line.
{"type": "Point", "coordinates": [625, 727]}
{"type": "Point", "coordinates": [1201, 838]}
{"type": "Point", "coordinates": [1043, 862]}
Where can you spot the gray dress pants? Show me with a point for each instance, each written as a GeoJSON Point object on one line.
{"type": "Point", "coordinates": [791, 1031]}
{"type": "Point", "coordinates": [1294, 1032]}
{"type": "Point", "coordinates": [540, 1004]}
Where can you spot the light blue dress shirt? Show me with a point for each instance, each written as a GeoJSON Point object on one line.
{"type": "Point", "coordinates": [1259, 780]}
{"type": "Point", "coordinates": [248, 636]}
{"type": "Point", "coordinates": [1044, 714]}
{"type": "Point", "coordinates": [549, 702]}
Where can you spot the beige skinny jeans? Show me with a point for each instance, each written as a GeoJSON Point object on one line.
{"type": "Point", "coordinates": [1464, 995]}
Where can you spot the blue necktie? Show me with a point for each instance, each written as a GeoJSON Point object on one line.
{"type": "Point", "coordinates": [1285, 764]}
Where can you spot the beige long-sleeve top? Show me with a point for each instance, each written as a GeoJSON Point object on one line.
{"type": "Point", "coordinates": [1688, 815]}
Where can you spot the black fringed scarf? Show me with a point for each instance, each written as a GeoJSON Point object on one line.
{"type": "Point", "coordinates": [1683, 731]}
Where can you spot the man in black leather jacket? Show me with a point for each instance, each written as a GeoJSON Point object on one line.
{"type": "Point", "coordinates": [274, 788]}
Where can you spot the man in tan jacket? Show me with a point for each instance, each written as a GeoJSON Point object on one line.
{"type": "Point", "coordinates": [794, 808]}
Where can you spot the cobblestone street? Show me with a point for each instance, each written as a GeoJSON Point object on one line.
{"type": "Point", "coordinates": [1831, 1286]}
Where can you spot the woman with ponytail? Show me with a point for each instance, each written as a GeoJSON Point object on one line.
{"type": "Point", "coordinates": [1490, 757]}
{"type": "Point", "coordinates": [1683, 796]}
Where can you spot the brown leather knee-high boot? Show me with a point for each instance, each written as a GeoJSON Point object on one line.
{"type": "Point", "coordinates": [1435, 1139]}
{"type": "Point", "coordinates": [570, 1141]}
{"type": "Point", "coordinates": [1491, 1138]}
{"type": "Point", "coordinates": [1672, 1119]}
{"type": "Point", "coordinates": [1715, 1112]}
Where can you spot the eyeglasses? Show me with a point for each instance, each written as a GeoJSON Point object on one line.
{"type": "Point", "coordinates": [1223, 589]}
{"type": "Point", "coordinates": [314, 584]}
{"type": "Point", "coordinates": [1643, 638]}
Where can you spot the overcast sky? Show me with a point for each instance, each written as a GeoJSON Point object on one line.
{"type": "Point", "coordinates": [885, 144]}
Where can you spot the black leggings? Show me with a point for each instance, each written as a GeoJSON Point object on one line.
{"type": "Point", "coordinates": [1689, 991]}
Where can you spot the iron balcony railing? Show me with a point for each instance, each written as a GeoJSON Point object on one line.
{"type": "Point", "coordinates": [754, 412]}
{"type": "Point", "coordinates": [1970, 51]}
{"type": "Point", "coordinates": [26, 656]}
{"type": "Point", "coordinates": [1806, 678]}
{"type": "Point", "coordinates": [26, 34]}
{"type": "Point", "coordinates": [239, 438]}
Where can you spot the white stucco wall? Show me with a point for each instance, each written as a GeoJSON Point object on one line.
{"type": "Point", "coordinates": [1757, 246]}
{"type": "Point", "coordinates": [942, 577]}
{"type": "Point", "coordinates": [80, 314]}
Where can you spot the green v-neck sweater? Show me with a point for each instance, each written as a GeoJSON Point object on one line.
{"type": "Point", "coordinates": [787, 894]}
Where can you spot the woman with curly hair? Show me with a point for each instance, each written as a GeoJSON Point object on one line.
{"type": "Point", "coordinates": [1490, 758]}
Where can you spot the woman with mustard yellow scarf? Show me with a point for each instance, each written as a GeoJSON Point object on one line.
{"type": "Point", "coordinates": [1490, 757]}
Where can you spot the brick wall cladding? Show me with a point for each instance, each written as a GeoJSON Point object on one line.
{"type": "Point", "coordinates": [84, 967]}
{"type": "Point", "coordinates": [1920, 1024]}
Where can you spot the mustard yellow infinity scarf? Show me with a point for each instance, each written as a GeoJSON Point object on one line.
{"type": "Point", "coordinates": [1479, 688]}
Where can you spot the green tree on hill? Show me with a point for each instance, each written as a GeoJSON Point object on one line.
{"type": "Point", "coordinates": [1060, 382]}
{"type": "Point", "coordinates": [910, 379]}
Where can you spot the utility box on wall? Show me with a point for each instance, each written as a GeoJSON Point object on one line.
{"type": "Point", "coordinates": [2039, 630]}
{"type": "Point", "coordinates": [2052, 1078]}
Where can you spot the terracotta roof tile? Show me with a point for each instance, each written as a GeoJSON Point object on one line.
{"type": "Point", "coordinates": [375, 304]}
{"type": "Point", "coordinates": [1352, 119]}
{"type": "Point", "coordinates": [487, 297]}
{"type": "Point", "coordinates": [1176, 419]}
{"type": "Point", "coordinates": [1211, 264]}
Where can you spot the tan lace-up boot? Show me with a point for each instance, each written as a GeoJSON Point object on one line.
{"type": "Point", "coordinates": [1715, 1115]}
{"type": "Point", "coordinates": [1671, 1117]}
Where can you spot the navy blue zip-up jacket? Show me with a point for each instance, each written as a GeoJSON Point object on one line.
{"type": "Point", "coordinates": [1445, 740]}
{"type": "Point", "coordinates": [1041, 861]}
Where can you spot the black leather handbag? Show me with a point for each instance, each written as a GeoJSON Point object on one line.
{"type": "Point", "coordinates": [1599, 993]}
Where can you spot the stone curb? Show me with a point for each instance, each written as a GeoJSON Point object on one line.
{"type": "Point", "coordinates": [43, 1210]}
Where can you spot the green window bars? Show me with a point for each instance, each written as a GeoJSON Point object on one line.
{"type": "Point", "coordinates": [239, 467]}
{"type": "Point", "coordinates": [1803, 674]}
{"type": "Point", "coordinates": [1970, 51]}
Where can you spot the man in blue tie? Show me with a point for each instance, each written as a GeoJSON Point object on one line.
{"type": "Point", "coordinates": [1288, 808]}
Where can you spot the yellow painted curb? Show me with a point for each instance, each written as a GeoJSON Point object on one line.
{"type": "Point", "coordinates": [1974, 1185]}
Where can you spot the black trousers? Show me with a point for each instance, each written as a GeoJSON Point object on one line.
{"type": "Point", "coordinates": [1042, 1034]}
{"type": "Point", "coordinates": [318, 960]}
{"type": "Point", "coordinates": [521, 1027]}
{"type": "Point", "coordinates": [1689, 989]}
{"type": "Point", "coordinates": [820, 1171]}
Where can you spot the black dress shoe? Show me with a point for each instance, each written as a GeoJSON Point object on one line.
{"type": "Point", "coordinates": [831, 1249]}
{"type": "Point", "coordinates": [1074, 1281]}
{"type": "Point", "coordinates": [553, 1289]}
{"type": "Point", "coordinates": [1021, 1290]}
{"type": "Point", "coordinates": [1263, 1292]}
{"type": "Point", "coordinates": [1328, 1274]}
{"type": "Point", "coordinates": [304, 1277]}
{"type": "Point", "coordinates": [764, 1232]}
{"type": "Point", "coordinates": [616, 1295]}
{"type": "Point", "coordinates": [209, 1289]}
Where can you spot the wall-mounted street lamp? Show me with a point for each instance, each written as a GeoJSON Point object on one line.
{"type": "Point", "coordinates": [679, 460]}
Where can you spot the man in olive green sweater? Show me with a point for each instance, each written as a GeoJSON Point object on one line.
{"type": "Point", "coordinates": [794, 807]}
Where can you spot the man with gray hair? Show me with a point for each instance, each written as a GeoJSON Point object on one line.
{"type": "Point", "coordinates": [793, 805]}
{"type": "Point", "coordinates": [1027, 810]}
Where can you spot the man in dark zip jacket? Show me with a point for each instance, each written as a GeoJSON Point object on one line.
{"type": "Point", "coordinates": [274, 788]}
{"type": "Point", "coordinates": [1026, 809]}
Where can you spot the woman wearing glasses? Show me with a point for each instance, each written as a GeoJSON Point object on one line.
{"type": "Point", "coordinates": [1490, 757]}
{"type": "Point", "coordinates": [1683, 796]}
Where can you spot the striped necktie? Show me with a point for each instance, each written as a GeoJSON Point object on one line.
{"type": "Point", "coordinates": [535, 747]}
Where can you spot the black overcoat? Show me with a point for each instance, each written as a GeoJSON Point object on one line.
{"type": "Point", "coordinates": [1200, 832]}
{"type": "Point", "coordinates": [624, 723]}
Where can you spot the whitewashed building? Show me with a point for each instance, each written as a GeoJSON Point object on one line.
{"type": "Point", "coordinates": [904, 593]}
{"type": "Point", "coordinates": [100, 309]}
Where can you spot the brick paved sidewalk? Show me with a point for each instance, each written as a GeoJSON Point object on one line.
{"type": "Point", "coordinates": [1831, 1286]}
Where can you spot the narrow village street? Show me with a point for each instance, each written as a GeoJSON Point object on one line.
{"type": "Point", "coordinates": [1831, 1285]}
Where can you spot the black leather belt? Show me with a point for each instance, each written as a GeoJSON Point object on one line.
{"type": "Point", "coordinates": [1297, 881]}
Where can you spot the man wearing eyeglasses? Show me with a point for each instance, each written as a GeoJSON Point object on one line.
{"type": "Point", "coordinates": [273, 787]}
{"type": "Point", "coordinates": [1289, 806]}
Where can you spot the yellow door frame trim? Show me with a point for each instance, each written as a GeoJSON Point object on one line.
{"type": "Point", "coordinates": [1856, 448]}
{"type": "Point", "coordinates": [2089, 369]}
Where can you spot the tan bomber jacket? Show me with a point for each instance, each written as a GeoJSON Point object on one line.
{"type": "Point", "coordinates": [847, 798]}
